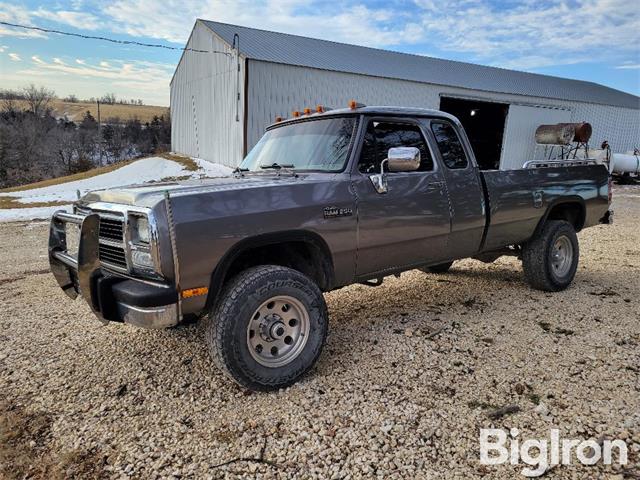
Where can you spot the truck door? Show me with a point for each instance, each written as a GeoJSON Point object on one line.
{"type": "Point", "coordinates": [464, 187]}
{"type": "Point", "coordinates": [409, 224]}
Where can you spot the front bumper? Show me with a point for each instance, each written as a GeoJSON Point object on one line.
{"type": "Point", "coordinates": [110, 296]}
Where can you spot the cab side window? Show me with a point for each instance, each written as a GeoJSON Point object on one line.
{"type": "Point", "coordinates": [449, 145]}
{"type": "Point", "coordinates": [381, 136]}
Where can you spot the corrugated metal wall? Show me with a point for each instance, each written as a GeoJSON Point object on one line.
{"type": "Point", "coordinates": [521, 121]}
{"type": "Point", "coordinates": [203, 101]}
{"type": "Point", "coordinates": [276, 89]}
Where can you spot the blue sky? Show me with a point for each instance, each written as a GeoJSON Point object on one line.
{"type": "Point", "coordinates": [594, 40]}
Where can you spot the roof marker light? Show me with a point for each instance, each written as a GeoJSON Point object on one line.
{"type": "Point", "coordinates": [319, 109]}
{"type": "Point", "coordinates": [307, 111]}
{"type": "Point", "coordinates": [278, 119]}
{"type": "Point", "coordinates": [295, 114]}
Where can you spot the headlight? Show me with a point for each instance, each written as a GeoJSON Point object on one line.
{"type": "Point", "coordinates": [142, 245]}
{"type": "Point", "coordinates": [140, 230]}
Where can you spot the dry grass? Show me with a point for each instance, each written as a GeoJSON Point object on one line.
{"type": "Point", "coordinates": [7, 202]}
{"type": "Point", "coordinates": [186, 162]}
{"type": "Point", "coordinates": [68, 178]}
{"type": "Point", "coordinates": [25, 449]}
{"type": "Point", "coordinates": [75, 111]}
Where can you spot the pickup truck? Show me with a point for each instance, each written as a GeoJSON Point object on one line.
{"type": "Point", "coordinates": [322, 201]}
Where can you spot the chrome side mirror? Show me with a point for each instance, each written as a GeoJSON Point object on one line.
{"type": "Point", "coordinates": [399, 159]}
{"type": "Point", "coordinates": [403, 159]}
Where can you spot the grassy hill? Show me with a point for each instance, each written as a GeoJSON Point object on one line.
{"type": "Point", "coordinates": [75, 110]}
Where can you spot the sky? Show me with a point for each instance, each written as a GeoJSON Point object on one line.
{"type": "Point", "coordinates": [593, 40]}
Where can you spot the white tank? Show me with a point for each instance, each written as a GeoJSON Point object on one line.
{"type": "Point", "coordinates": [625, 163]}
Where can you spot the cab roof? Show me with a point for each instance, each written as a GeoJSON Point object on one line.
{"type": "Point", "coordinates": [369, 111]}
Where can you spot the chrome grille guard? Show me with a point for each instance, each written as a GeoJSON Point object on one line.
{"type": "Point", "coordinates": [74, 274]}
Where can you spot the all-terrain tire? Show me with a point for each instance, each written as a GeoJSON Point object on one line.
{"type": "Point", "coordinates": [440, 268]}
{"type": "Point", "coordinates": [228, 323]}
{"type": "Point", "coordinates": [542, 269]}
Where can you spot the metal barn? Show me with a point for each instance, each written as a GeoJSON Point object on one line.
{"type": "Point", "coordinates": [232, 82]}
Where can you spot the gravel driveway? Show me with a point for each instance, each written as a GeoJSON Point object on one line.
{"type": "Point", "coordinates": [411, 371]}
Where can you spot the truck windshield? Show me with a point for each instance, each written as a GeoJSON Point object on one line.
{"type": "Point", "coordinates": [321, 144]}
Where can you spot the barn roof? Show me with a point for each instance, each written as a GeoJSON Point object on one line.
{"type": "Point", "coordinates": [341, 57]}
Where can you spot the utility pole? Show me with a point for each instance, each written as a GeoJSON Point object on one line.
{"type": "Point", "coordinates": [99, 133]}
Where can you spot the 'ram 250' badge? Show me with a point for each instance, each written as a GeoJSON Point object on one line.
{"type": "Point", "coordinates": [332, 212]}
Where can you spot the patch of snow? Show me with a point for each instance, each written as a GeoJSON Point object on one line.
{"type": "Point", "coordinates": [211, 169]}
{"type": "Point", "coordinates": [15, 214]}
{"type": "Point", "coordinates": [140, 171]}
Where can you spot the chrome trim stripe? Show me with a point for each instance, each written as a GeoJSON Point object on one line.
{"type": "Point", "coordinates": [174, 250]}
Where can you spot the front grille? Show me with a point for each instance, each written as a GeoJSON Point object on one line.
{"type": "Point", "coordinates": [113, 255]}
{"type": "Point", "coordinates": [111, 249]}
{"type": "Point", "coordinates": [111, 228]}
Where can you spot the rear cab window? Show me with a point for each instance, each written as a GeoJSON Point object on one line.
{"type": "Point", "coordinates": [449, 145]}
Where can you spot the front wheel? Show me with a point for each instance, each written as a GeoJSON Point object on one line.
{"type": "Point", "coordinates": [550, 258]}
{"type": "Point", "coordinates": [268, 327]}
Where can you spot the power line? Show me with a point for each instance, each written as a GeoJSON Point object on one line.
{"type": "Point", "coordinates": [112, 40]}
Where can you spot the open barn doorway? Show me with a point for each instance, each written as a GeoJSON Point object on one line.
{"type": "Point", "coordinates": [484, 123]}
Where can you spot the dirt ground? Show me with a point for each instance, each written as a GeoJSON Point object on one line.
{"type": "Point", "coordinates": [411, 372]}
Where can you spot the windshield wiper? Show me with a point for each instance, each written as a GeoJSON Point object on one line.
{"type": "Point", "coordinates": [277, 166]}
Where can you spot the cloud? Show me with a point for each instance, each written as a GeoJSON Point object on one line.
{"type": "Point", "coordinates": [533, 34]}
{"type": "Point", "coordinates": [131, 79]}
{"type": "Point", "coordinates": [3, 48]}
{"type": "Point", "coordinates": [21, 15]}
{"type": "Point", "coordinates": [628, 66]}
{"type": "Point", "coordinates": [80, 20]}
{"type": "Point", "coordinates": [511, 34]}
{"type": "Point", "coordinates": [15, 57]}
{"type": "Point", "coordinates": [173, 20]}
{"type": "Point", "coordinates": [16, 14]}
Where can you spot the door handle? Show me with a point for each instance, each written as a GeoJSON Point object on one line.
{"type": "Point", "coordinates": [434, 185]}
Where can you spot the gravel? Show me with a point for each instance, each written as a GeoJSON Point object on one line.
{"type": "Point", "coordinates": [410, 373]}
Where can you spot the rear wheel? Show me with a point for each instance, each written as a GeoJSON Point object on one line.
{"type": "Point", "coordinates": [550, 258]}
{"type": "Point", "coordinates": [268, 327]}
{"type": "Point", "coordinates": [440, 268]}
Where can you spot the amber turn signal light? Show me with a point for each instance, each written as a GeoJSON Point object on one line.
{"type": "Point", "coordinates": [194, 292]}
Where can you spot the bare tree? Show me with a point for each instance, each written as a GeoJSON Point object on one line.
{"type": "Point", "coordinates": [109, 98]}
{"type": "Point", "coordinates": [38, 99]}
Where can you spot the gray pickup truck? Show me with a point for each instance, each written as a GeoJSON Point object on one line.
{"type": "Point", "coordinates": [323, 200]}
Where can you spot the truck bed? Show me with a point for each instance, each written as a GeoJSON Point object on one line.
{"type": "Point", "coordinates": [519, 199]}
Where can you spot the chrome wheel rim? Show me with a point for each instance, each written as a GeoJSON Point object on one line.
{"type": "Point", "coordinates": [562, 256]}
{"type": "Point", "coordinates": [277, 331]}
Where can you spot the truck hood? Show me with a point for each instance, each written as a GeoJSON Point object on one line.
{"type": "Point", "coordinates": [150, 194]}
